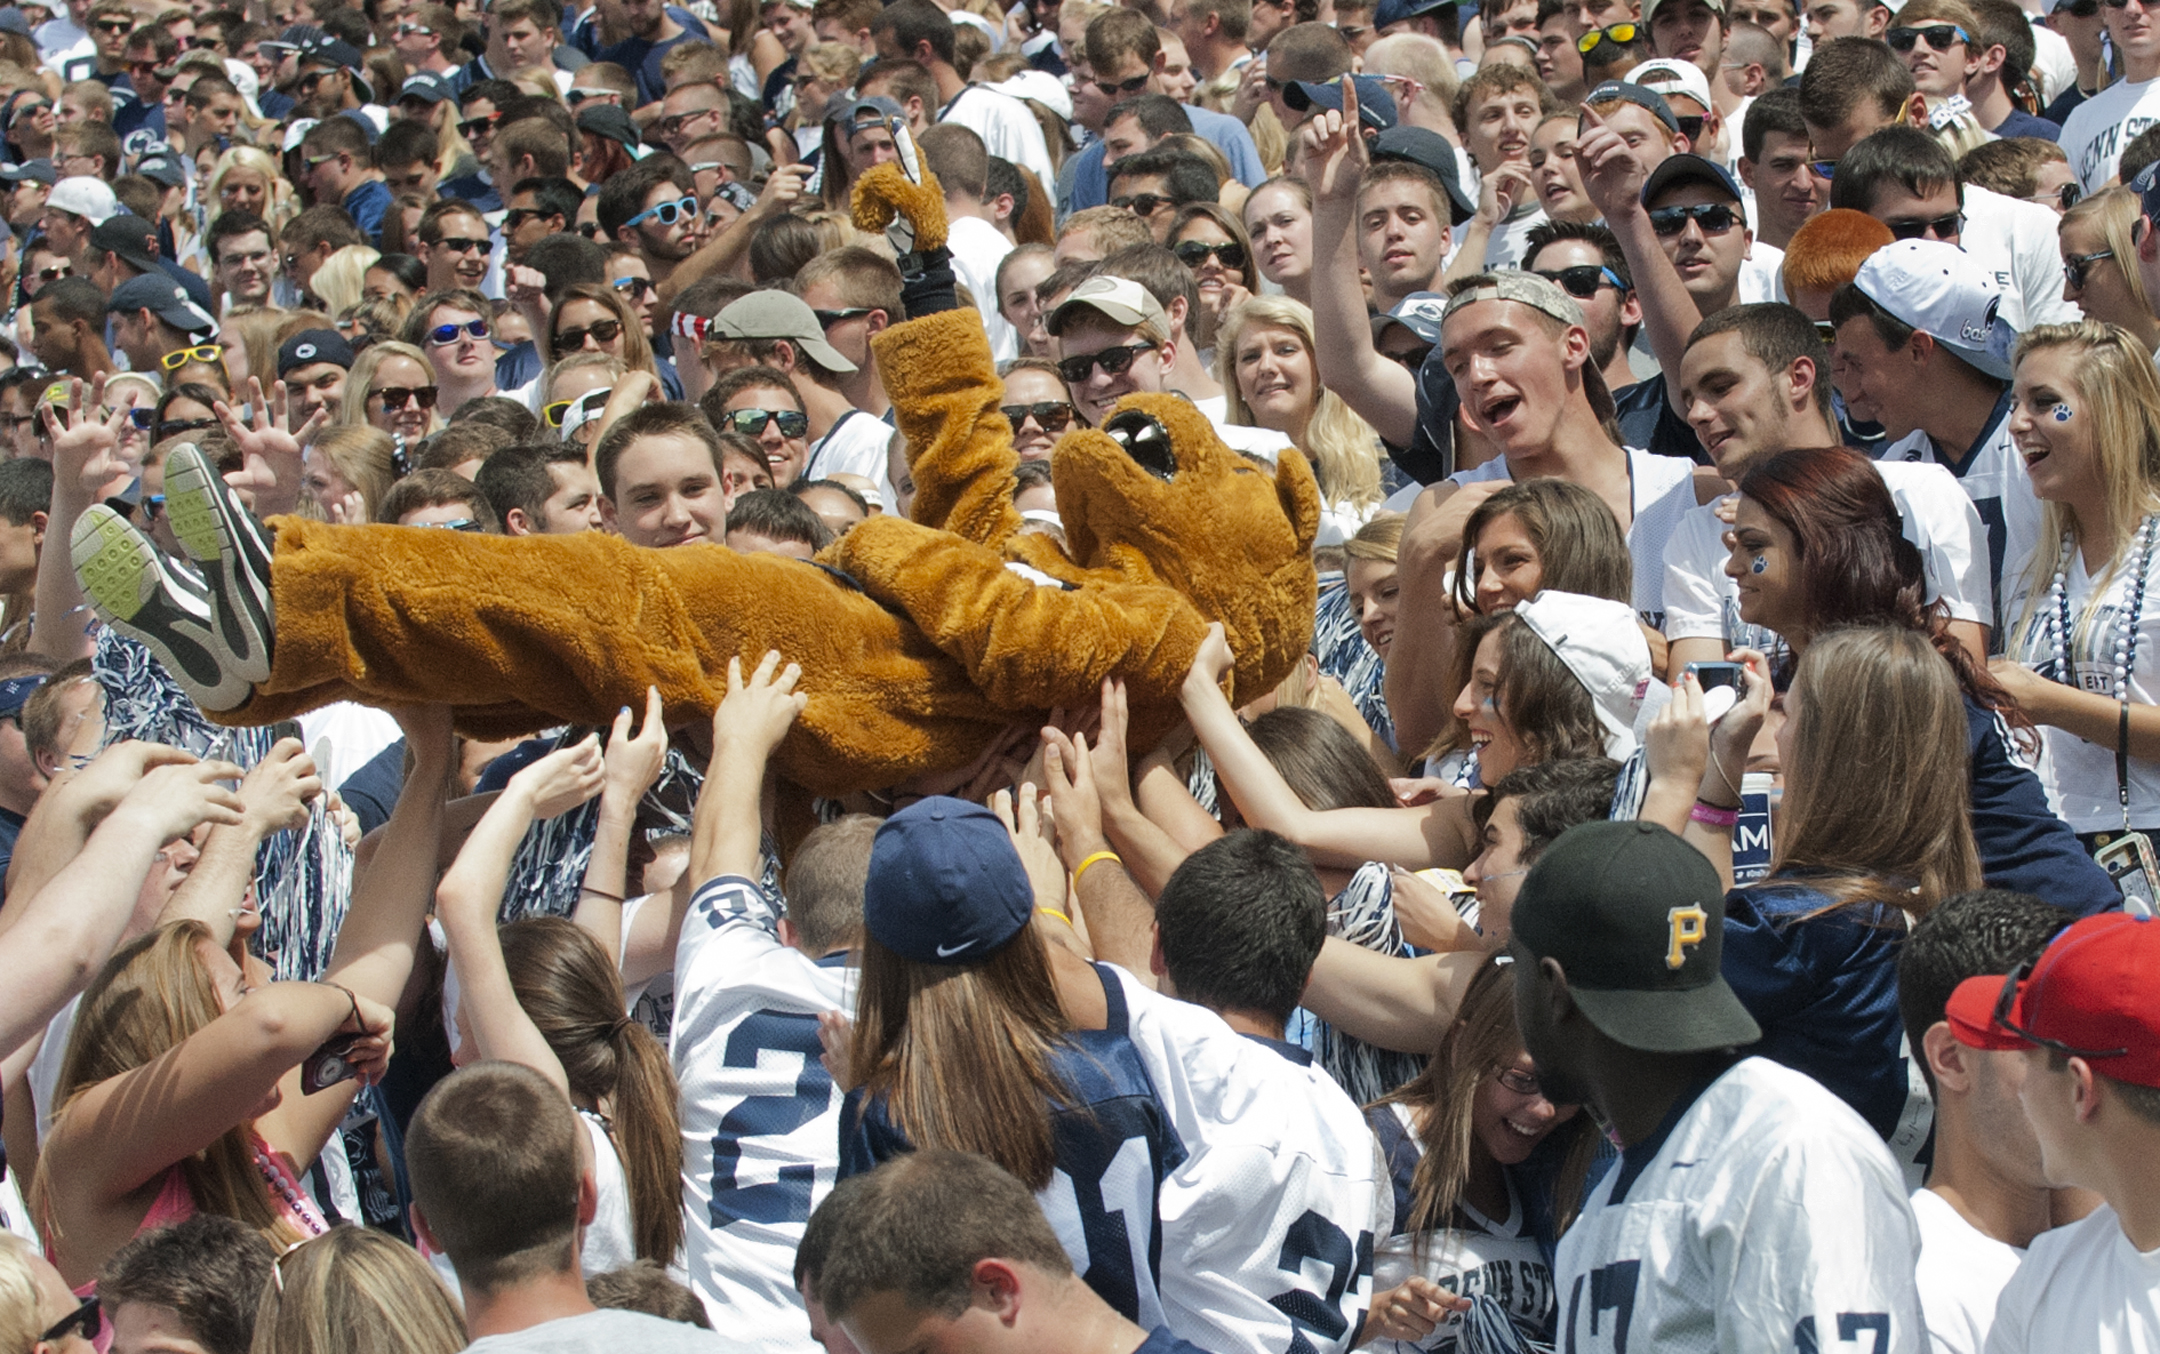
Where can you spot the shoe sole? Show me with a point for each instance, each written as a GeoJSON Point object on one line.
{"type": "Point", "coordinates": [220, 536]}
{"type": "Point", "coordinates": [130, 585]}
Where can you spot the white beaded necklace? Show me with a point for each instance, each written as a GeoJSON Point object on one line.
{"type": "Point", "coordinates": [2126, 640]}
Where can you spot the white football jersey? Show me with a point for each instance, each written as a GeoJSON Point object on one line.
{"type": "Point", "coordinates": [1268, 1224]}
{"type": "Point", "coordinates": [1994, 479]}
{"type": "Point", "coordinates": [1769, 1220]}
{"type": "Point", "coordinates": [760, 1115]}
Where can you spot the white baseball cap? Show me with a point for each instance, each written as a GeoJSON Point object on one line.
{"type": "Point", "coordinates": [1605, 649]}
{"type": "Point", "coordinates": [1041, 86]}
{"type": "Point", "coordinates": [1667, 75]}
{"type": "Point", "coordinates": [1939, 289]}
{"type": "Point", "coordinates": [86, 197]}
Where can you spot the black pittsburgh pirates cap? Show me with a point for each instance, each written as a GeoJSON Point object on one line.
{"type": "Point", "coordinates": [1636, 917]}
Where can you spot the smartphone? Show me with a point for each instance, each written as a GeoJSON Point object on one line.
{"type": "Point", "coordinates": [1717, 674]}
{"type": "Point", "coordinates": [2128, 861]}
{"type": "Point", "coordinates": [327, 1066]}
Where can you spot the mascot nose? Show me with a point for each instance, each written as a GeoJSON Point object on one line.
{"type": "Point", "coordinates": [1146, 440]}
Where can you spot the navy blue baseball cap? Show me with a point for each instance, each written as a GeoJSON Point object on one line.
{"type": "Point", "coordinates": [426, 86]}
{"type": "Point", "coordinates": [1690, 169]}
{"type": "Point", "coordinates": [1642, 96]}
{"type": "Point", "coordinates": [1392, 12]}
{"type": "Point", "coordinates": [1420, 312]}
{"type": "Point", "coordinates": [946, 885]}
{"type": "Point", "coordinates": [1418, 146]}
{"type": "Point", "coordinates": [16, 690]}
{"type": "Point", "coordinates": [2147, 186]}
{"type": "Point", "coordinates": [1376, 107]}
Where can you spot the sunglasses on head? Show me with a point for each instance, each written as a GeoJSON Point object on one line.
{"type": "Point", "coordinates": [1940, 228]}
{"type": "Point", "coordinates": [1115, 89]}
{"type": "Point", "coordinates": [86, 1320]}
{"type": "Point", "coordinates": [1052, 416]}
{"type": "Point", "coordinates": [1620, 35]}
{"type": "Point", "coordinates": [1113, 361]}
{"type": "Point", "coordinates": [601, 331]}
{"type": "Point", "coordinates": [443, 335]}
{"type": "Point", "coordinates": [2077, 266]}
{"type": "Point", "coordinates": [2007, 999]}
{"type": "Point", "coordinates": [1939, 37]}
{"type": "Point", "coordinates": [1143, 204]}
{"type": "Point", "coordinates": [1583, 280]}
{"type": "Point", "coordinates": [398, 397]}
{"type": "Point", "coordinates": [1715, 218]}
{"type": "Point", "coordinates": [751, 422]}
{"type": "Point", "coordinates": [201, 352]}
{"type": "Point", "coordinates": [1193, 253]}
{"type": "Point", "coordinates": [667, 213]}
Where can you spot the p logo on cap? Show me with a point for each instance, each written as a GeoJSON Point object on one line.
{"type": "Point", "coordinates": [1685, 928]}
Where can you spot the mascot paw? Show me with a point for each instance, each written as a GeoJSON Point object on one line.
{"type": "Point", "coordinates": [886, 197]}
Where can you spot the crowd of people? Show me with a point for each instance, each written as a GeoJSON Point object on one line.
{"type": "Point", "coordinates": [1695, 891]}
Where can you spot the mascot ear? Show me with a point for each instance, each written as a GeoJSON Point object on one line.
{"type": "Point", "coordinates": [1300, 495]}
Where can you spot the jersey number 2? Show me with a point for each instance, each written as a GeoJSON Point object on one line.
{"type": "Point", "coordinates": [786, 1199]}
{"type": "Point", "coordinates": [1313, 1238]}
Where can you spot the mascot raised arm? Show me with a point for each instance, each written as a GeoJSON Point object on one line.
{"type": "Point", "coordinates": [920, 641]}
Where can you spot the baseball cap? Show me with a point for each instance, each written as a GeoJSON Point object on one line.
{"type": "Point", "coordinates": [1939, 289]}
{"type": "Point", "coordinates": [160, 167]}
{"type": "Point", "coordinates": [426, 85]}
{"type": "Point", "coordinates": [777, 315]}
{"type": "Point", "coordinates": [1672, 74]}
{"type": "Point", "coordinates": [39, 170]}
{"type": "Point", "coordinates": [1528, 288]}
{"type": "Point", "coordinates": [129, 236]}
{"type": "Point", "coordinates": [946, 885]}
{"type": "Point", "coordinates": [1376, 107]}
{"type": "Point", "coordinates": [605, 119]}
{"type": "Point", "coordinates": [331, 51]}
{"type": "Point", "coordinates": [2147, 186]}
{"type": "Point", "coordinates": [1420, 312]}
{"type": "Point", "coordinates": [13, 20]}
{"type": "Point", "coordinates": [16, 690]}
{"type": "Point", "coordinates": [855, 114]}
{"type": "Point", "coordinates": [1602, 645]}
{"type": "Point", "coordinates": [1640, 95]}
{"type": "Point", "coordinates": [1650, 7]}
{"type": "Point", "coordinates": [1040, 87]}
{"type": "Point", "coordinates": [1636, 917]}
{"type": "Point", "coordinates": [311, 346]}
{"type": "Point", "coordinates": [164, 298]}
{"type": "Point", "coordinates": [296, 131]}
{"type": "Point", "coordinates": [2088, 995]}
{"type": "Point", "coordinates": [1422, 146]}
{"type": "Point", "coordinates": [1690, 169]}
{"type": "Point", "coordinates": [1395, 11]}
{"type": "Point", "coordinates": [1124, 301]}
{"type": "Point", "coordinates": [91, 199]}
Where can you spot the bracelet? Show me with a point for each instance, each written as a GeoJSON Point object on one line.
{"type": "Point", "coordinates": [600, 893]}
{"type": "Point", "coordinates": [359, 1025]}
{"type": "Point", "coordinates": [1725, 780]}
{"type": "Point", "coordinates": [1710, 815]}
{"type": "Point", "coordinates": [1082, 868]}
{"type": "Point", "coordinates": [1059, 915]}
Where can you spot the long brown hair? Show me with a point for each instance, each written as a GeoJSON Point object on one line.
{"type": "Point", "coordinates": [153, 995]}
{"type": "Point", "coordinates": [1877, 802]}
{"type": "Point", "coordinates": [1579, 543]}
{"type": "Point", "coordinates": [1482, 1040]}
{"type": "Point", "coordinates": [637, 352]}
{"type": "Point", "coordinates": [961, 1052]}
{"type": "Point", "coordinates": [1541, 698]}
{"type": "Point", "coordinates": [574, 996]}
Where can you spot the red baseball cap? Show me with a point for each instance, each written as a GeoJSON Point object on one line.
{"type": "Point", "coordinates": [2087, 996]}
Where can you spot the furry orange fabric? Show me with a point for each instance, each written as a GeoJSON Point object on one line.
{"type": "Point", "coordinates": [919, 642]}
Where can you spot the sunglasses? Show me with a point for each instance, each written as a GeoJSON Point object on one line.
{"type": "Point", "coordinates": [455, 524]}
{"type": "Point", "coordinates": [1939, 37]}
{"type": "Point", "coordinates": [202, 352]}
{"type": "Point", "coordinates": [443, 335]}
{"type": "Point", "coordinates": [751, 422]}
{"type": "Point", "coordinates": [1132, 86]}
{"type": "Point", "coordinates": [2076, 266]}
{"type": "Point", "coordinates": [1691, 125]}
{"type": "Point", "coordinates": [602, 331]}
{"type": "Point", "coordinates": [54, 274]}
{"type": "Point", "coordinates": [398, 397]}
{"type": "Point", "coordinates": [1940, 228]}
{"type": "Point", "coordinates": [1113, 361]}
{"type": "Point", "coordinates": [1620, 35]}
{"type": "Point", "coordinates": [1411, 360]}
{"type": "Point", "coordinates": [1143, 204]}
{"type": "Point", "coordinates": [668, 213]}
{"type": "Point", "coordinates": [115, 26]}
{"type": "Point", "coordinates": [1193, 253]}
{"type": "Point", "coordinates": [638, 287]}
{"type": "Point", "coordinates": [2062, 199]}
{"type": "Point", "coordinates": [673, 125]}
{"type": "Point", "coordinates": [1052, 416]}
{"type": "Point", "coordinates": [472, 127]}
{"type": "Point", "coordinates": [828, 318]}
{"type": "Point", "coordinates": [518, 216]}
{"type": "Point", "coordinates": [409, 30]}
{"type": "Point", "coordinates": [309, 81]}
{"type": "Point", "coordinates": [1825, 170]}
{"type": "Point", "coordinates": [2081, 9]}
{"type": "Point", "coordinates": [1715, 218]}
{"type": "Point", "coordinates": [2008, 998]}
{"type": "Point", "coordinates": [86, 1321]}
{"type": "Point", "coordinates": [1583, 280]}
{"type": "Point", "coordinates": [152, 505]}
{"type": "Point", "coordinates": [1826, 331]}
{"type": "Point", "coordinates": [578, 96]}
{"type": "Point", "coordinates": [460, 244]}
{"type": "Point", "coordinates": [181, 425]}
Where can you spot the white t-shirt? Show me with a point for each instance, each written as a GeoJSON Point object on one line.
{"type": "Point", "coordinates": [1509, 245]}
{"type": "Point", "coordinates": [1762, 274]}
{"type": "Point", "coordinates": [1264, 443]}
{"type": "Point", "coordinates": [853, 446]}
{"type": "Point", "coordinates": [1664, 493]}
{"type": "Point", "coordinates": [1770, 1219]}
{"type": "Point", "coordinates": [1962, 1271]}
{"type": "Point", "coordinates": [1996, 483]}
{"type": "Point", "coordinates": [2094, 134]}
{"type": "Point", "coordinates": [2080, 775]}
{"type": "Point", "coordinates": [760, 1115]}
{"type": "Point", "coordinates": [2082, 1288]}
{"type": "Point", "coordinates": [609, 1241]}
{"type": "Point", "coordinates": [606, 1331]}
{"type": "Point", "coordinates": [977, 250]}
{"type": "Point", "coordinates": [2054, 64]}
{"type": "Point", "coordinates": [1701, 601]}
{"type": "Point", "coordinates": [2015, 241]}
{"type": "Point", "coordinates": [1009, 131]}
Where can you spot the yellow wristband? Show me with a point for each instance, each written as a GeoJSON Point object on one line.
{"type": "Point", "coordinates": [1059, 915]}
{"type": "Point", "coordinates": [1082, 867]}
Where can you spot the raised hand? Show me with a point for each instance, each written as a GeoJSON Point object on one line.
{"type": "Point", "coordinates": [173, 800]}
{"type": "Point", "coordinates": [106, 779]}
{"type": "Point", "coordinates": [270, 446]}
{"type": "Point", "coordinates": [1499, 192]}
{"type": "Point", "coordinates": [633, 764]}
{"type": "Point", "coordinates": [1334, 149]}
{"type": "Point", "coordinates": [1676, 746]}
{"type": "Point", "coordinates": [757, 713]}
{"type": "Point", "coordinates": [86, 443]}
{"type": "Point", "coordinates": [1214, 658]}
{"type": "Point", "coordinates": [1031, 832]}
{"type": "Point", "coordinates": [1612, 171]}
{"type": "Point", "coordinates": [563, 779]}
{"type": "Point", "coordinates": [279, 789]}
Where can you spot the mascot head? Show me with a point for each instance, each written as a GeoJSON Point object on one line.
{"type": "Point", "coordinates": [1155, 496]}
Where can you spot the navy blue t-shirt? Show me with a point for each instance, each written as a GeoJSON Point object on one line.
{"type": "Point", "coordinates": [2022, 123]}
{"type": "Point", "coordinates": [1648, 420]}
